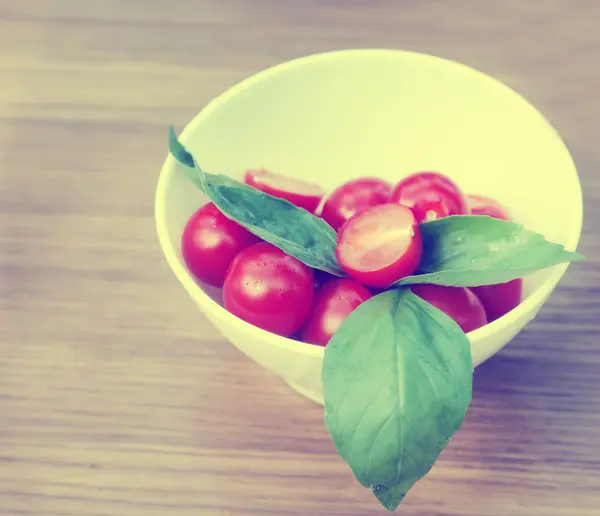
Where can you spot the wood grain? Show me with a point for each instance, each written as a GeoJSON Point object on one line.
{"type": "Point", "coordinates": [118, 399]}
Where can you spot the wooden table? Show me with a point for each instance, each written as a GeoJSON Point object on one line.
{"type": "Point", "coordinates": [118, 399]}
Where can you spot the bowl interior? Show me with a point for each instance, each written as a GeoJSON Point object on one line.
{"type": "Point", "coordinates": [332, 117]}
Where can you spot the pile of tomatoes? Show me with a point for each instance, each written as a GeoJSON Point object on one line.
{"type": "Point", "coordinates": [378, 243]}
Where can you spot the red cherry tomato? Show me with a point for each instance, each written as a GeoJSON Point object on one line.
{"type": "Point", "coordinates": [210, 242]}
{"type": "Point", "coordinates": [353, 197]}
{"type": "Point", "coordinates": [334, 301]}
{"type": "Point", "coordinates": [269, 289]}
{"type": "Point", "coordinates": [300, 193]}
{"type": "Point", "coordinates": [322, 277]}
{"type": "Point", "coordinates": [430, 196]}
{"type": "Point", "coordinates": [499, 299]}
{"type": "Point", "coordinates": [380, 245]}
{"type": "Point", "coordinates": [482, 205]}
{"type": "Point", "coordinates": [458, 303]}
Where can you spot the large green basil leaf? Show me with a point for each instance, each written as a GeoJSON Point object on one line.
{"type": "Point", "coordinates": [468, 251]}
{"type": "Point", "coordinates": [294, 230]}
{"type": "Point", "coordinates": [397, 381]}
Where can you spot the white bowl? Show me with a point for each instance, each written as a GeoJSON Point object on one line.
{"type": "Point", "coordinates": [331, 117]}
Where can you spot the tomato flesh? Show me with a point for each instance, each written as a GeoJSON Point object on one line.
{"type": "Point", "coordinates": [458, 303]}
{"type": "Point", "coordinates": [300, 193]}
{"type": "Point", "coordinates": [500, 299]}
{"type": "Point", "coordinates": [482, 205]}
{"type": "Point", "coordinates": [334, 302]}
{"type": "Point", "coordinates": [430, 196]}
{"type": "Point", "coordinates": [269, 289]}
{"type": "Point", "coordinates": [354, 197]}
{"type": "Point", "coordinates": [380, 245]}
{"type": "Point", "coordinates": [210, 242]}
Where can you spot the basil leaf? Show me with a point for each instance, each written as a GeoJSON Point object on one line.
{"type": "Point", "coordinates": [395, 394]}
{"type": "Point", "coordinates": [468, 251]}
{"type": "Point", "coordinates": [391, 497]}
{"type": "Point", "coordinates": [277, 221]}
{"type": "Point", "coordinates": [178, 151]}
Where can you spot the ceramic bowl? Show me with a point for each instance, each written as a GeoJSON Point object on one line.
{"type": "Point", "coordinates": [331, 117]}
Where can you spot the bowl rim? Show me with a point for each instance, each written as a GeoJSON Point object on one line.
{"type": "Point", "coordinates": [309, 350]}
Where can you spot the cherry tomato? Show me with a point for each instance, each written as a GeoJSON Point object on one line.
{"type": "Point", "coordinates": [322, 277]}
{"type": "Point", "coordinates": [499, 299]}
{"type": "Point", "coordinates": [300, 193]}
{"type": "Point", "coordinates": [269, 289]}
{"type": "Point", "coordinates": [430, 196]}
{"type": "Point", "coordinates": [353, 197]}
{"type": "Point", "coordinates": [334, 301]}
{"type": "Point", "coordinates": [482, 205]}
{"type": "Point", "coordinates": [210, 242]}
{"type": "Point", "coordinates": [458, 303]}
{"type": "Point", "coordinates": [380, 245]}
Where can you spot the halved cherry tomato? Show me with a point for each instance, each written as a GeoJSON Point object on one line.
{"type": "Point", "coordinates": [500, 299]}
{"type": "Point", "coordinates": [482, 205]}
{"type": "Point", "coordinates": [380, 245]}
{"type": "Point", "coordinates": [210, 242]}
{"type": "Point", "coordinates": [269, 289]}
{"type": "Point", "coordinates": [300, 193]}
{"type": "Point", "coordinates": [458, 303]}
{"type": "Point", "coordinates": [430, 196]}
{"type": "Point", "coordinates": [353, 197]}
{"type": "Point", "coordinates": [334, 301]}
